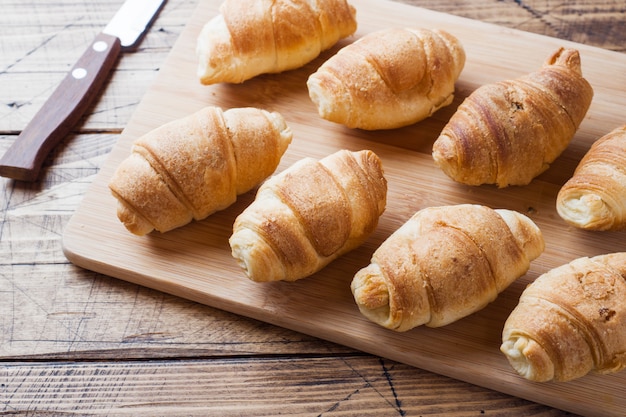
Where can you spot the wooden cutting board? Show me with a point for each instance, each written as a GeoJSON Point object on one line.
{"type": "Point", "coordinates": [194, 261]}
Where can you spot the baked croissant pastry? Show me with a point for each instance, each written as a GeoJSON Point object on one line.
{"type": "Point", "coordinates": [509, 132]}
{"type": "Point", "coordinates": [253, 37]}
{"type": "Point", "coordinates": [192, 167]}
{"type": "Point", "coordinates": [388, 79]}
{"type": "Point", "coordinates": [570, 321]}
{"type": "Point", "coordinates": [595, 197]}
{"type": "Point", "coordinates": [310, 214]}
{"type": "Point", "coordinates": [445, 263]}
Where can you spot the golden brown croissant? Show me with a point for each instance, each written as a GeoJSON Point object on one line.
{"type": "Point", "coordinates": [388, 79]}
{"type": "Point", "coordinates": [509, 132]}
{"type": "Point", "coordinates": [252, 37]}
{"type": "Point", "coordinates": [194, 166]}
{"type": "Point", "coordinates": [595, 197]}
{"type": "Point", "coordinates": [310, 214]}
{"type": "Point", "coordinates": [445, 263]}
{"type": "Point", "coordinates": [570, 321]}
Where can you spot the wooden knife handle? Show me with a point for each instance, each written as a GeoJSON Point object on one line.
{"type": "Point", "coordinates": [61, 112]}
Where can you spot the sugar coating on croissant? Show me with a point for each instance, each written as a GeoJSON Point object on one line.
{"type": "Point", "coordinates": [192, 167]}
{"type": "Point", "coordinates": [595, 197]}
{"type": "Point", "coordinates": [509, 132]}
{"type": "Point", "coordinates": [570, 321]}
{"type": "Point", "coordinates": [252, 37]}
{"type": "Point", "coordinates": [388, 79]}
{"type": "Point", "coordinates": [445, 263]}
{"type": "Point", "coordinates": [308, 215]}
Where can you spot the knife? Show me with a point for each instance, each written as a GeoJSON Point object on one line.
{"type": "Point", "coordinates": [67, 104]}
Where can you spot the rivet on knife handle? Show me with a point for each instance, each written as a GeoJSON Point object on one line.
{"type": "Point", "coordinates": [61, 112]}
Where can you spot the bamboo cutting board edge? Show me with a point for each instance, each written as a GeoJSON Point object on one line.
{"type": "Point", "coordinates": [194, 262]}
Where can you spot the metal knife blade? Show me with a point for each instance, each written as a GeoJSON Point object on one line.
{"type": "Point", "coordinates": [68, 102]}
{"type": "Point", "coordinates": [131, 20]}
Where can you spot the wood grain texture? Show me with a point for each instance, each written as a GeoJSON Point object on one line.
{"type": "Point", "coordinates": [52, 312]}
{"type": "Point", "coordinates": [587, 22]}
{"type": "Point", "coordinates": [194, 261]}
{"type": "Point", "coordinates": [348, 385]}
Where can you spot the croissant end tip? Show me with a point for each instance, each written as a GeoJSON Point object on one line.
{"type": "Point", "coordinates": [528, 358]}
{"type": "Point", "coordinates": [586, 211]}
{"type": "Point", "coordinates": [369, 290]}
{"type": "Point", "coordinates": [566, 57]}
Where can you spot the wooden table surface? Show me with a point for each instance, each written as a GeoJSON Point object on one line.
{"type": "Point", "coordinates": [74, 341]}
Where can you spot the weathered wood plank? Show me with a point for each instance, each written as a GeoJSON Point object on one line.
{"type": "Point", "coordinates": [265, 386]}
{"type": "Point", "coordinates": [589, 22]}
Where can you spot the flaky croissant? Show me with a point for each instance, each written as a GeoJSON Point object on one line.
{"type": "Point", "coordinates": [253, 37]}
{"type": "Point", "coordinates": [570, 321]}
{"type": "Point", "coordinates": [445, 263]}
{"type": "Point", "coordinates": [509, 132]}
{"type": "Point", "coordinates": [595, 197]}
{"type": "Point", "coordinates": [388, 78]}
{"type": "Point", "coordinates": [194, 166]}
{"type": "Point", "coordinates": [308, 215]}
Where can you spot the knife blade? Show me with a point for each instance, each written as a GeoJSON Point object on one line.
{"type": "Point", "coordinates": [66, 105]}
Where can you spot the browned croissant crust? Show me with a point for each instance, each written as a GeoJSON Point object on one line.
{"type": "Point", "coordinates": [191, 167]}
{"type": "Point", "coordinates": [595, 197]}
{"type": "Point", "coordinates": [509, 132]}
{"type": "Point", "coordinates": [570, 321]}
{"type": "Point", "coordinates": [308, 215]}
{"type": "Point", "coordinates": [445, 263]}
{"type": "Point", "coordinates": [388, 79]}
{"type": "Point", "coordinates": [252, 37]}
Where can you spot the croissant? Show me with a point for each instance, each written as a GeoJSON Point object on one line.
{"type": "Point", "coordinates": [509, 132]}
{"type": "Point", "coordinates": [310, 214]}
{"type": "Point", "coordinates": [388, 79]}
{"type": "Point", "coordinates": [253, 37]}
{"type": "Point", "coordinates": [595, 197]}
{"type": "Point", "coordinates": [445, 263]}
{"type": "Point", "coordinates": [570, 321]}
{"type": "Point", "coordinates": [194, 166]}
